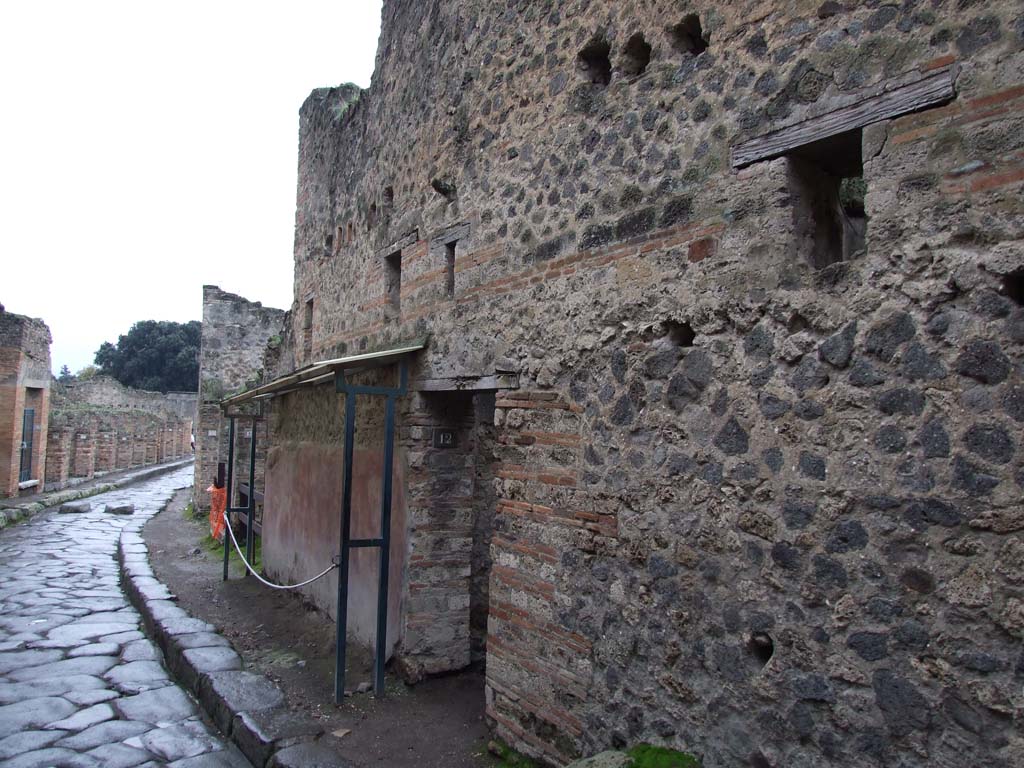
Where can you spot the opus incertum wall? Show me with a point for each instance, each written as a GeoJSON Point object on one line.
{"type": "Point", "coordinates": [756, 272]}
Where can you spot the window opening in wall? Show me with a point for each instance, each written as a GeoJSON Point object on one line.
{"type": "Point", "coordinates": [595, 60]}
{"type": "Point", "coordinates": [827, 189]}
{"type": "Point", "coordinates": [339, 239]}
{"type": "Point", "coordinates": [636, 55]}
{"type": "Point", "coordinates": [393, 265]}
{"type": "Point", "coordinates": [307, 329]}
{"type": "Point", "coordinates": [371, 217]}
{"type": "Point", "coordinates": [688, 37]}
{"type": "Point", "coordinates": [328, 244]}
{"type": "Point", "coordinates": [449, 266]}
{"type": "Point", "coordinates": [389, 198]}
{"type": "Point", "coordinates": [351, 233]}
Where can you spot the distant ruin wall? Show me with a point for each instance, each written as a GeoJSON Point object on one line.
{"type": "Point", "coordinates": [235, 336]}
{"type": "Point", "coordinates": [109, 392]}
{"type": "Point", "coordinates": [99, 426]}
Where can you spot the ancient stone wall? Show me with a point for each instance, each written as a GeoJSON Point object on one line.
{"type": "Point", "coordinates": [99, 425]}
{"type": "Point", "coordinates": [758, 491]}
{"type": "Point", "coordinates": [108, 392]}
{"type": "Point", "coordinates": [235, 337]}
{"type": "Point", "coordinates": [24, 384]}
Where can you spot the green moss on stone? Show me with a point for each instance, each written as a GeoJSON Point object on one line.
{"type": "Point", "coordinates": [649, 756]}
{"type": "Point", "coordinates": [508, 757]}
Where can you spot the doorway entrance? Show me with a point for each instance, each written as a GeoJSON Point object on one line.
{"type": "Point", "coordinates": [451, 501]}
{"type": "Point", "coordinates": [27, 439]}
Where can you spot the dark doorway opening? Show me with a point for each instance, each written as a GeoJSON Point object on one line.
{"type": "Point", "coordinates": [27, 439]}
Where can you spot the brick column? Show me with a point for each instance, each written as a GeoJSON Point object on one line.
{"type": "Point", "coordinates": [83, 449]}
{"type": "Point", "coordinates": [106, 450]}
{"type": "Point", "coordinates": [58, 455]}
{"type": "Point", "coordinates": [152, 445]}
{"type": "Point", "coordinates": [138, 441]}
{"type": "Point", "coordinates": [124, 448]}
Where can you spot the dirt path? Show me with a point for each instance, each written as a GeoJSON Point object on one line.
{"type": "Point", "coordinates": [438, 722]}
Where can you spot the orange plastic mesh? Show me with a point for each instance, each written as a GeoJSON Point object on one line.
{"type": "Point", "coordinates": [218, 503]}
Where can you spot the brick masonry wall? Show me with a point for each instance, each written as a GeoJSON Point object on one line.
{"type": "Point", "coordinates": [235, 336]}
{"type": "Point", "coordinates": [757, 510]}
{"type": "Point", "coordinates": [24, 383]}
{"type": "Point", "coordinates": [100, 426]}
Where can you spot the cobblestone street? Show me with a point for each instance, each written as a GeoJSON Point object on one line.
{"type": "Point", "coordinates": [80, 684]}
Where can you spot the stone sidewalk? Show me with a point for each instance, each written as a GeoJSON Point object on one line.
{"type": "Point", "coordinates": [80, 684]}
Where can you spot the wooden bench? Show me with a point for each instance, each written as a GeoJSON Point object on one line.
{"type": "Point", "coordinates": [240, 516]}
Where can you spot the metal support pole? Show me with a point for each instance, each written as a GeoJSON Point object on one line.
{"type": "Point", "coordinates": [340, 646]}
{"type": "Point", "coordinates": [380, 653]}
{"type": "Point", "coordinates": [250, 535]}
{"type": "Point", "coordinates": [227, 489]}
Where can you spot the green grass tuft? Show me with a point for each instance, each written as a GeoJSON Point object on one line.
{"type": "Point", "coordinates": [509, 758]}
{"type": "Point", "coordinates": [212, 545]}
{"type": "Point", "coordinates": [649, 756]}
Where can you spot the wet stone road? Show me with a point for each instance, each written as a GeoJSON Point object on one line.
{"type": "Point", "coordinates": [80, 685]}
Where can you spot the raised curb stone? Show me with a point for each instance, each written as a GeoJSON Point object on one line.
{"type": "Point", "coordinates": [246, 707]}
{"type": "Point", "coordinates": [224, 694]}
{"type": "Point", "coordinates": [307, 756]}
{"type": "Point", "coordinates": [197, 662]}
{"type": "Point", "coordinates": [260, 734]}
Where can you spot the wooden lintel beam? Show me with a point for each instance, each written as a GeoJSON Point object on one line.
{"type": "Point", "coordinates": [467, 383]}
{"type": "Point", "coordinates": [928, 90]}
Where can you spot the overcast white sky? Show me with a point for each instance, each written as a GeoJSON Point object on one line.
{"type": "Point", "coordinates": [147, 149]}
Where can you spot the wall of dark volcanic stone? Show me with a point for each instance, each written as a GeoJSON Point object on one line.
{"type": "Point", "coordinates": [766, 513]}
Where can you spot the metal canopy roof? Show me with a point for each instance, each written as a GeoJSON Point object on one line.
{"type": "Point", "coordinates": [322, 371]}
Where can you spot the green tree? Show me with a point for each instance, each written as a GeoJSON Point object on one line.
{"type": "Point", "coordinates": [65, 374]}
{"type": "Point", "coordinates": [156, 355]}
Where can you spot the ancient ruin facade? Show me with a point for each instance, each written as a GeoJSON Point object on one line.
{"type": "Point", "coordinates": [98, 426]}
{"type": "Point", "coordinates": [715, 440]}
{"type": "Point", "coordinates": [24, 402]}
{"type": "Point", "coordinates": [234, 340]}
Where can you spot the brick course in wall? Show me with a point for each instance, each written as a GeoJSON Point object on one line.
{"type": "Point", "coordinates": [754, 497]}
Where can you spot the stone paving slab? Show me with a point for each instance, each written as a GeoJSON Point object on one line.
{"type": "Point", "coordinates": [80, 685]}
{"type": "Point", "coordinates": [17, 509]}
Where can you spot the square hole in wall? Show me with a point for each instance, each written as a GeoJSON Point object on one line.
{"type": "Point", "coordinates": [307, 329]}
{"type": "Point", "coordinates": [449, 266]}
{"type": "Point", "coordinates": [393, 280]}
{"type": "Point", "coordinates": [827, 189]}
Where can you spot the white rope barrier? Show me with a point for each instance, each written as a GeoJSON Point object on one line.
{"type": "Point", "coordinates": [231, 533]}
